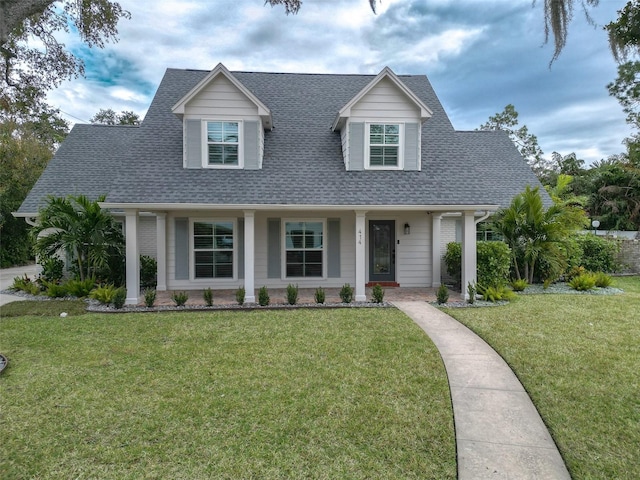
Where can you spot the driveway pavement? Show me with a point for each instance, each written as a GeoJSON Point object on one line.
{"type": "Point", "coordinates": [6, 280]}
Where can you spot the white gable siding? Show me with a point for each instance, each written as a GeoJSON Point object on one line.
{"type": "Point", "coordinates": [385, 102]}
{"type": "Point", "coordinates": [221, 98]}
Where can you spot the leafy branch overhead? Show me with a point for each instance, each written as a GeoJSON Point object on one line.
{"type": "Point", "coordinates": [526, 143]}
{"type": "Point", "coordinates": [32, 58]}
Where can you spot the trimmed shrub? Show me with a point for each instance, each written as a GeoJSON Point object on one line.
{"type": "Point", "coordinates": [263, 297]}
{"type": "Point", "coordinates": [471, 290]}
{"type": "Point", "coordinates": [453, 261]}
{"type": "Point", "coordinates": [149, 297]}
{"type": "Point", "coordinates": [319, 295]}
{"type": "Point", "coordinates": [208, 296]}
{"type": "Point", "coordinates": [599, 253]}
{"type": "Point", "coordinates": [240, 295]}
{"type": "Point", "coordinates": [377, 293]}
{"type": "Point", "coordinates": [442, 295]}
{"type": "Point", "coordinates": [346, 293]}
{"type": "Point", "coordinates": [52, 269]}
{"type": "Point", "coordinates": [583, 282]}
{"type": "Point", "coordinates": [494, 262]}
{"type": "Point", "coordinates": [148, 271]}
{"type": "Point", "coordinates": [119, 297]}
{"type": "Point", "coordinates": [180, 298]}
{"type": "Point", "coordinates": [292, 294]}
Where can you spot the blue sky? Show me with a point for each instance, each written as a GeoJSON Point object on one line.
{"type": "Point", "coordinates": [480, 55]}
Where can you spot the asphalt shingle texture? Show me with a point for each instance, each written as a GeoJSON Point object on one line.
{"type": "Point", "coordinates": [303, 161]}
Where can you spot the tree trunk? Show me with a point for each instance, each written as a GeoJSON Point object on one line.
{"type": "Point", "coordinates": [14, 12]}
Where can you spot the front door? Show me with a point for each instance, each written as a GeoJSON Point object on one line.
{"type": "Point", "coordinates": [382, 251]}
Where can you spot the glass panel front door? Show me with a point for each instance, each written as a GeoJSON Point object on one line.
{"type": "Point", "coordinates": [382, 251]}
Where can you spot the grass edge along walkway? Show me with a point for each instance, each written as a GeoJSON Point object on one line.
{"type": "Point", "coordinates": [288, 394]}
{"type": "Point", "coordinates": [578, 357]}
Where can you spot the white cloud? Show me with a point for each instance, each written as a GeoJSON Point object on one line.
{"type": "Point", "coordinates": [480, 56]}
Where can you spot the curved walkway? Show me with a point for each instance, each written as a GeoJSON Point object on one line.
{"type": "Point", "coordinates": [499, 433]}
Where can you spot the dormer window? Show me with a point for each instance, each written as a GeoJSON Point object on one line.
{"type": "Point", "coordinates": [384, 145]}
{"type": "Point", "coordinates": [223, 144]}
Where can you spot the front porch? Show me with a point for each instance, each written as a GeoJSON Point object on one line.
{"type": "Point", "coordinates": [399, 248]}
{"type": "Point", "coordinates": [306, 296]}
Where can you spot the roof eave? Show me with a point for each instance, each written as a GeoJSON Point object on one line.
{"type": "Point", "coordinates": [220, 69]}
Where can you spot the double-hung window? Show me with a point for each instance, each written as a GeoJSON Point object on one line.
{"type": "Point", "coordinates": [223, 144]}
{"type": "Point", "coordinates": [384, 145]}
{"type": "Point", "coordinates": [304, 249]}
{"type": "Point", "coordinates": [213, 247]}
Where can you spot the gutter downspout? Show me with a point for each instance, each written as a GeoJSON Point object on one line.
{"type": "Point", "coordinates": [486, 215]}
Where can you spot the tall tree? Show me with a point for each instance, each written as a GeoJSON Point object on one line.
{"type": "Point", "coordinates": [32, 59]}
{"type": "Point", "coordinates": [624, 32]}
{"type": "Point", "coordinates": [24, 152]}
{"type": "Point", "coordinates": [526, 142]}
{"type": "Point", "coordinates": [111, 117]}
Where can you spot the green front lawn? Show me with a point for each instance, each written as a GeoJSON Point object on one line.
{"type": "Point", "coordinates": [289, 394]}
{"type": "Point", "coordinates": [578, 356]}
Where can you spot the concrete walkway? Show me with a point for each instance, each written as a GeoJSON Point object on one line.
{"type": "Point", "coordinates": [499, 433]}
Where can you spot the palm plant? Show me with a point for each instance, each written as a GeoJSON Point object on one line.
{"type": "Point", "coordinates": [536, 234]}
{"type": "Point", "coordinates": [78, 226]}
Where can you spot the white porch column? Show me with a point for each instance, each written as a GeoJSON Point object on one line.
{"type": "Point", "coordinates": [249, 256]}
{"type": "Point", "coordinates": [469, 261]}
{"type": "Point", "coordinates": [161, 250]}
{"type": "Point", "coordinates": [132, 261]}
{"type": "Point", "coordinates": [436, 246]}
{"type": "Point", "coordinates": [361, 235]}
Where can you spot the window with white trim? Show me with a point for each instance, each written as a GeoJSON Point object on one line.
{"type": "Point", "coordinates": [213, 247]}
{"type": "Point", "coordinates": [304, 249]}
{"type": "Point", "coordinates": [223, 143]}
{"type": "Point", "coordinates": [384, 145]}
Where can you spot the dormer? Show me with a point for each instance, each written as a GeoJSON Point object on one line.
{"type": "Point", "coordinates": [223, 123]}
{"type": "Point", "coordinates": [380, 127]}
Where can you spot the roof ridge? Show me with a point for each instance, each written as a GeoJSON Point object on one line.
{"type": "Point", "coordinates": [200, 70]}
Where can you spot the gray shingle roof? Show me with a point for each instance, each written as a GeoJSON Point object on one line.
{"type": "Point", "coordinates": [302, 159]}
{"type": "Point", "coordinates": [83, 165]}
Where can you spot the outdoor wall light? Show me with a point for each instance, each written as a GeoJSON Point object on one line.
{"type": "Point", "coordinates": [407, 229]}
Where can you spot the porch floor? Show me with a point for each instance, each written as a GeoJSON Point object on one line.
{"type": "Point", "coordinates": [306, 295]}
